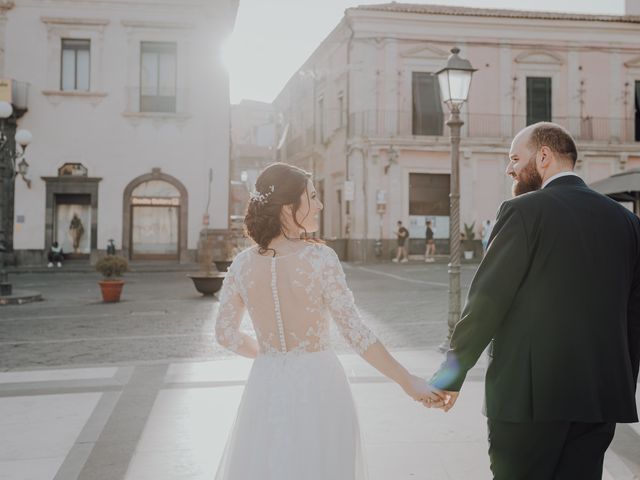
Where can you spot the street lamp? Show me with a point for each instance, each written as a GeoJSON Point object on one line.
{"type": "Point", "coordinates": [454, 80]}
{"type": "Point", "coordinates": [12, 163]}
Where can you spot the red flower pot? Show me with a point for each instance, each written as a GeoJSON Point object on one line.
{"type": "Point", "coordinates": [111, 290]}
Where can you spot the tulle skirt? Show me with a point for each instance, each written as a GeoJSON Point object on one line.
{"type": "Point", "coordinates": [296, 421]}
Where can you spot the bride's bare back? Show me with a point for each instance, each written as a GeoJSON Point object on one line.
{"type": "Point", "coordinates": [291, 300]}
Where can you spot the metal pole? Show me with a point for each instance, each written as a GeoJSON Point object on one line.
{"type": "Point", "coordinates": [455, 124]}
{"type": "Point", "coordinates": [7, 175]}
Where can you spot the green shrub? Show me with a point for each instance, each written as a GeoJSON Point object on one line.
{"type": "Point", "coordinates": [112, 266]}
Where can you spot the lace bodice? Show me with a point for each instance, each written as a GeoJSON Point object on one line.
{"type": "Point", "coordinates": [290, 300]}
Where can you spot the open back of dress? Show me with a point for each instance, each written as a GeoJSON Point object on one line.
{"type": "Point", "coordinates": [291, 300]}
{"type": "Point", "coordinates": [297, 419]}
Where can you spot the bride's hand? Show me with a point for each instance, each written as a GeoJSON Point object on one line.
{"type": "Point", "coordinates": [418, 389]}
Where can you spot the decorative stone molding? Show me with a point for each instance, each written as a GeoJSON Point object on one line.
{"type": "Point", "coordinates": [74, 27]}
{"type": "Point", "coordinates": [89, 22]}
{"type": "Point", "coordinates": [56, 96]}
{"type": "Point", "coordinates": [142, 24]}
{"type": "Point", "coordinates": [633, 63]}
{"type": "Point", "coordinates": [539, 57]}
{"type": "Point", "coordinates": [425, 51]}
{"type": "Point", "coordinates": [157, 119]}
{"type": "Point", "coordinates": [156, 174]}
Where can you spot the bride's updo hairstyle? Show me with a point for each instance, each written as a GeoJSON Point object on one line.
{"type": "Point", "coordinates": [277, 185]}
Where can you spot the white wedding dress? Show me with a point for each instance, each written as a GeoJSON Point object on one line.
{"type": "Point", "coordinates": [297, 419]}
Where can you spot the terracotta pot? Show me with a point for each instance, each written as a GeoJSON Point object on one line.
{"type": "Point", "coordinates": [207, 284]}
{"type": "Point", "coordinates": [111, 290]}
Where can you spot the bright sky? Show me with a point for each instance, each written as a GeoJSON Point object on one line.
{"type": "Point", "coordinates": [273, 38]}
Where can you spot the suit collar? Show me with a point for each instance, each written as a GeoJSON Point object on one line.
{"type": "Point", "coordinates": [572, 180]}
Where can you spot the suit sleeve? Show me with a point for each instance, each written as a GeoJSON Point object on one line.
{"type": "Point", "coordinates": [633, 316]}
{"type": "Point", "coordinates": [491, 294]}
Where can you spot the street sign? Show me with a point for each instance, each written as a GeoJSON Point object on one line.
{"type": "Point", "coordinates": [348, 191]}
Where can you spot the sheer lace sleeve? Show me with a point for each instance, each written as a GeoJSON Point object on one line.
{"type": "Point", "coordinates": [339, 300]}
{"type": "Point", "coordinates": [230, 311]}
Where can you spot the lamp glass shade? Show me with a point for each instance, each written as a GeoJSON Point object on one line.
{"type": "Point", "coordinates": [454, 86]}
{"type": "Point", "coordinates": [23, 138]}
{"type": "Point", "coordinates": [6, 110]}
{"type": "Point", "coordinates": [23, 167]}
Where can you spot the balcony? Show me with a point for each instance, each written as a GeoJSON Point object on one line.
{"type": "Point", "coordinates": [490, 126]}
{"type": "Point", "coordinates": [143, 102]}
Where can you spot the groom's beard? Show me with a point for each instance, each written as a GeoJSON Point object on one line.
{"type": "Point", "coordinates": [529, 180]}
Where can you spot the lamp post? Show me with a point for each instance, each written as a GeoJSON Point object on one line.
{"type": "Point", "coordinates": [454, 79]}
{"type": "Point", "coordinates": [12, 163]}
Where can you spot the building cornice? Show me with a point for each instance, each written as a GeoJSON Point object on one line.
{"type": "Point", "coordinates": [492, 13]}
{"type": "Point", "coordinates": [90, 22]}
{"type": "Point", "coordinates": [144, 24]}
{"type": "Point", "coordinates": [72, 179]}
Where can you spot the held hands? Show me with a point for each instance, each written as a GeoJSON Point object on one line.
{"type": "Point", "coordinates": [447, 400]}
{"type": "Point", "coordinates": [430, 396]}
{"type": "Point", "coordinates": [418, 389]}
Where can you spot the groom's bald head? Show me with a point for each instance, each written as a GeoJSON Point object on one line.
{"type": "Point", "coordinates": [553, 136]}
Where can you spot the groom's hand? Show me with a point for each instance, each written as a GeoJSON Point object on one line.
{"type": "Point", "coordinates": [451, 398]}
{"type": "Point", "coordinates": [446, 399]}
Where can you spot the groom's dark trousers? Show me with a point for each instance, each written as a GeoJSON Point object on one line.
{"type": "Point", "coordinates": [557, 299]}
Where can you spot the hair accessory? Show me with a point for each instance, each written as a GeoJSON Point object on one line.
{"type": "Point", "coordinates": [262, 198]}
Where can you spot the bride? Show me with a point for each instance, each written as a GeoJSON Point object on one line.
{"type": "Point", "coordinates": [297, 419]}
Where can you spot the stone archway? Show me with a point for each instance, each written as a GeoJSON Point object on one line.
{"type": "Point", "coordinates": [149, 235]}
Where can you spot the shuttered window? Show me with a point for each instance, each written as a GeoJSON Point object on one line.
{"type": "Point", "coordinates": [538, 99]}
{"type": "Point", "coordinates": [428, 118]}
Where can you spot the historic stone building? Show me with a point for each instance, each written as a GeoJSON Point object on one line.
{"type": "Point", "coordinates": [128, 105]}
{"type": "Point", "coordinates": [364, 111]}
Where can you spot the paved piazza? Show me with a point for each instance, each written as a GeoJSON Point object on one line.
{"type": "Point", "coordinates": [162, 317]}
{"type": "Point", "coordinates": [139, 390]}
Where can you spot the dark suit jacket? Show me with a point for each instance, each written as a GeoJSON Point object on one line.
{"type": "Point", "coordinates": [558, 297]}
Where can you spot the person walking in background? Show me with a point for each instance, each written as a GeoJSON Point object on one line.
{"type": "Point", "coordinates": [430, 250]}
{"type": "Point", "coordinates": [55, 255]}
{"type": "Point", "coordinates": [402, 234]}
{"type": "Point", "coordinates": [486, 234]}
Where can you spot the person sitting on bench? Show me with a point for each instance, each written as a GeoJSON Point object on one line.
{"type": "Point", "coordinates": [55, 255]}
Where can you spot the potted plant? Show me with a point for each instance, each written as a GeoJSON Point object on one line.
{"type": "Point", "coordinates": [468, 244]}
{"type": "Point", "coordinates": [207, 281]}
{"type": "Point", "coordinates": [111, 267]}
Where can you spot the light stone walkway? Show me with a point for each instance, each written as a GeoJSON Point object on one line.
{"type": "Point", "coordinates": [169, 421]}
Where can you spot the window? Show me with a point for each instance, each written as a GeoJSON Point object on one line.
{"type": "Point", "coordinates": [428, 118]}
{"type": "Point", "coordinates": [158, 77]}
{"type": "Point", "coordinates": [637, 105]}
{"type": "Point", "coordinates": [76, 65]}
{"type": "Point", "coordinates": [538, 99]}
{"type": "Point", "coordinates": [429, 194]}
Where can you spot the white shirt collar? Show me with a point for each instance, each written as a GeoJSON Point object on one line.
{"type": "Point", "coordinates": [558, 175]}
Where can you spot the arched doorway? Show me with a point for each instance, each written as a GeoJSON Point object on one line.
{"type": "Point", "coordinates": [155, 218]}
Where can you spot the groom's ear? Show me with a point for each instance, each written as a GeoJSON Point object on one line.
{"type": "Point", "coordinates": [545, 157]}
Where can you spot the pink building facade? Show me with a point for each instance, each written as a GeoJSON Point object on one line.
{"type": "Point", "coordinates": [364, 114]}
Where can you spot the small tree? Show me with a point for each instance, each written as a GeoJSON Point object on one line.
{"type": "Point", "coordinates": [469, 236]}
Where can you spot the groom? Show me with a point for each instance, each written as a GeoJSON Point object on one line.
{"type": "Point", "coordinates": [557, 299]}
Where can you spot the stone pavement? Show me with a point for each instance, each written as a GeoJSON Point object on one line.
{"type": "Point", "coordinates": [169, 421]}
{"type": "Point", "coordinates": [138, 390]}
